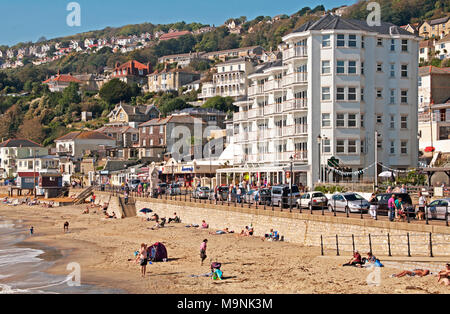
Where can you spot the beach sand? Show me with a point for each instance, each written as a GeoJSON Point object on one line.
{"type": "Point", "coordinates": [104, 249]}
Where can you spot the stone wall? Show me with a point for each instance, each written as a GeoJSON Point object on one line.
{"type": "Point", "coordinates": [307, 229]}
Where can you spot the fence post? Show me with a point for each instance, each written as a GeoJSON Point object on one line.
{"type": "Point", "coordinates": [446, 215]}
{"type": "Point", "coordinates": [321, 244]}
{"type": "Point", "coordinates": [370, 244]}
{"type": "Point", "coordinates": [360, 208]}
{"type": "Point", "coordinates": [323, 210]}
{"type": "Point", "coordinates": [353, 242]}
{"type": "Point", "coordinates": [347, 209]}
{"type": "Point", "coordinates": [337, 245]}
{"type": "Point", "coordinates": [389, 244]}
{"type": "Point", "coordinates": [431, 245]}
{"type": "Point", "coordinates": [334, 208]}
{"type": "Point", "coordinates": [426, 214]}
{"type": "Point", "coordinates": [409, 245]}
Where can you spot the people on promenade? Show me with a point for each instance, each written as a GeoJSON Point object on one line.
{"type": "Point", "coordinates": [203, 255]}
{"type": "Point", "coordinates": [373, 206]}
{"type": "Point", "coordinates": [403, 189]}
{"type": "Point", "coordinates": [422, 205]}
{"type": "Point", "coordinates": [389, 190]}
{"type": "Point", "coordinates": [391, 208]}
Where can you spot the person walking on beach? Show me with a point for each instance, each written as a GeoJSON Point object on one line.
{"type": "Point", "coordinates": [203, 250]}
{"type": "Point", "coordinates": [31, 230]}
{"type": "Point", "coordinates": [143, 259]}
{"type": "Point", "coordinates": [66, 227]}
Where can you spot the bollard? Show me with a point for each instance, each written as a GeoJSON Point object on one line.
{"type": "Point", "coordinates": [409, 245]}
{"type": "Point", "coordinates": [426, 214]}
{"type": "Point", "coordinates": [446, 215]}
{"type": "Point", "coordinates": [389, 244]}
{"type": "Point", "coordinates": [370, 244]}
{"type": "Point", "coordinates": [431, 245]}
{"type": "Point", "coordinates": [321, 244]}
{"type": "Point", "coordinates": [337, 245]}
{"type": "Point", "coordinates": [334, 208]}
{"type": "Point", "coordinates": [347, 209]}
{"type": "Point", "coordinates": [361, 210]}
{"type": "Point", "coordinates": [272, 206]}
{"type": "Point", "coordinates": [353, 243]}
{"type": "Point", "coordinates": [323, 210]}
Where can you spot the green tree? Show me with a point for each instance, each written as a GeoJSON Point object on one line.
{"type": "Point", "coordinates": [115, 91]}
{"type": "Point", "coordinates": [224, 104]}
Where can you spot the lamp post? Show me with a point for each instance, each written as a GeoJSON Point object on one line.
{"type": "Point", "coordinates": [319, 141]}
{"type": "Point", "coordinates": [291, 159]}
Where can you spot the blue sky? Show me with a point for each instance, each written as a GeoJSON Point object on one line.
{"type": "Point", "coordinates": [27, 20]}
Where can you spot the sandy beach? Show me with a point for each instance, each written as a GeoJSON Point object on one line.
{"type": "Point", "coordinates": [104, 249]}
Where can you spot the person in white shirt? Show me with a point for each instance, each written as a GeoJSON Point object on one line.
{"type": "Point", "coordinates": [422, 205]}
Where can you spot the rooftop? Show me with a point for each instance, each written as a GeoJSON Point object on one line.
{"type": "Point", "coordinates": [89, 135]}
{"type": "Point", "coordinates": [333, 22]}
{"type": "Point", "coordinates": [19, 142]}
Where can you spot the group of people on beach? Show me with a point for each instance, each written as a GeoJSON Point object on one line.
{"type": "Point", "coordinates": [443, 275]}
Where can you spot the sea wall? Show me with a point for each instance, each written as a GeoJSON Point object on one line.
{"type": "Point", "coordinates": [307, 229]}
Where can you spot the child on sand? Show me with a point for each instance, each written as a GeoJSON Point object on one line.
{"type": "Point", "coordinates": [203, 250]}
{"type": "Point", "coordinates": [66, 227]}
{"type": "Point", "coordinates": [143, 259]}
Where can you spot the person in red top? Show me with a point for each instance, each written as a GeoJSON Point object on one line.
{"type": "Point", "coordinates": [355, 261]}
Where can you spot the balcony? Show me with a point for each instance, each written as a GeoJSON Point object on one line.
{"type": "Point", "coordinates": [273, 84]}
{"type": "Point", "coordinates": [252, 113]}
{"type": "Point", "coordinates": [241, 115]}
{"type": "Point", "coordinates": [298, 156]}
{"type": "Point", "coordinates": [255, 89]}
{"type": "Point", "coordinates": [296, 104]}
{"type": "Point", "coordinates": [301, 129]}
{"type": "Point", "coordinates": [295, 52]}
{"type": "Point", "coordinates": [295, 78]}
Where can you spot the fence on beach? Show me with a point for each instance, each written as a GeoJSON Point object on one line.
{"type": "Point", "coordinates": [408, 244]}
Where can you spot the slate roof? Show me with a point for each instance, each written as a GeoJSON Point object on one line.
{"type": "Point", "coordinates": [333, 22]}
{"type": "Point", "coordinates": [19, 142]}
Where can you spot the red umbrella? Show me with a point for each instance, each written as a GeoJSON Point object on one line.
{"type": "Point", "coordinates": [430, 149]}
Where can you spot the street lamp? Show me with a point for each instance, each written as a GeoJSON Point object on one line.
{"type": "Point", "coordinates": [319, 141]}
{"type": "Point", "coordinates": [291, 159]}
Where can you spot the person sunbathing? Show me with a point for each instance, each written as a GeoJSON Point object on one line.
{"type": "Point", "coordinates": [204, 225]}
{"type": "Point", "coordinates": [86, 211]}
{"type": "Point", "coordinates": [444, 275]}
{"type": "Point", "coordinates": [356, 260]}
{"type": "Point", "coordinates": [415, 272]}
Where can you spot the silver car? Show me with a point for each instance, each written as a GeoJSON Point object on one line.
{"type": "Point", "coordinates": [352, 202]}
{"type": "Point", "coordinates": [437, 209]}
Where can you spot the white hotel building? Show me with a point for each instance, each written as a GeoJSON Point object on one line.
{"type": "Point", "coordinates": [341, 80]}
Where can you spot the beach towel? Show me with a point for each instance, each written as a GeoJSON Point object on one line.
{"type": "Point", "coordinates": [217, 274]}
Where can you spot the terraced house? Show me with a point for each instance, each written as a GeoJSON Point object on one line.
{"type": "Point", "coordinates": [339, 82]}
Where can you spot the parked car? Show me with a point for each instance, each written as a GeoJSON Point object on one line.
{"type": "Point", "coordinates": [222, 192]}
{"type": "Point", "coordinates": [163, 187]}
{"type": "Point", "coordinates": [383, 203]}
{"type": "Point", "coordinates": [174, 189]}
{"type": "Point", "coordinates": [202, 192]}
{"type": "Point", "coordinates": [249, 197]}
{"type": "Point", "coordinates": [437, 209]}
{"type": "Point", "coordinates": [281, 195]}
{"type": "Point", "coordinates": [313, 200]}
{"type": "Point", "coordinates": [134, 184]}
{"type": "Point", "coordinates": [264, 196]}
{"type": "Point", "coordinates": [352, 202]}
